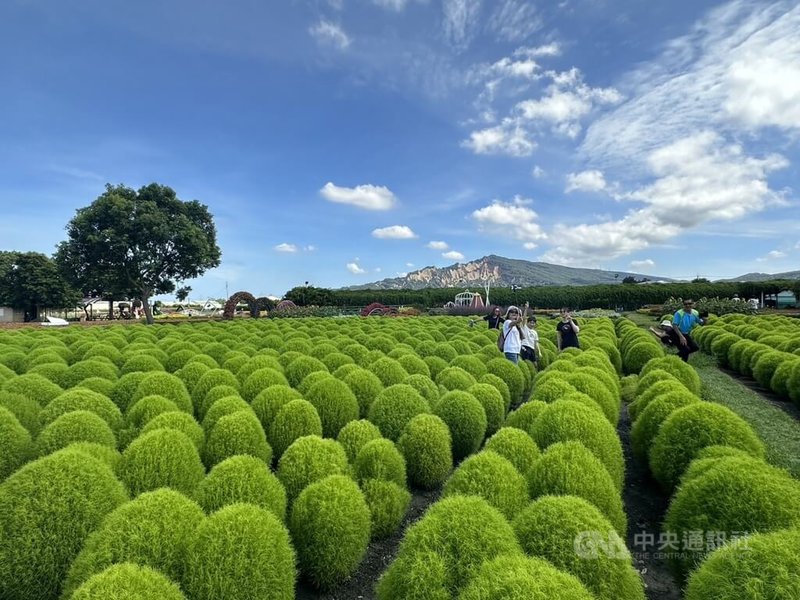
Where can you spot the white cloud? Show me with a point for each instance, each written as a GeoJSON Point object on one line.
{"type": "Point", "coordinates": [509, 138]}
{"type": "Point", "coordinates": [394, 232]}
{"type": "Point", "coordinates": [409, 265]}
{"type": "Point", "coordinates": [512, 220]}
{"type": "Point", "coordinates": [401, 273]}
{"type": "Point", "coordinates": [772, 255]}
{"type": "Point", "coordinates": [355, 269]}
{"type": "Point", "coordinates": [310, 248]}
{"type": "Point", "coordinates": [643, 265]}
{"type": "Point", "coordinates": [538, 172]}
{"type": "Point", "coordinates": [284, 247]}
{"type": "Point", "coordinates": [460, 21]}
{"type": "Point", "coordinates": [396, 5]}
{"type": "Point", "coordinates": [370, 197]}
{"type": "Point", "coordinates": [453, 255]}
{"type": "Point", "coordinates": [514, 20]}
{"type": "Point", "coordinates": [697, 179]}
{"type": "Point", "coordinates": [331, 34]}
{"type": "Point", "coordinates": [435, 245]}
{"type": "Point", "coordinates": [797, 246]}
{"type": "Point", "coordinates": [377, 269]}
{"type": "Point", "coordinates": [586, 181]}
{"type": "Point", "coordinates": [530, 245]}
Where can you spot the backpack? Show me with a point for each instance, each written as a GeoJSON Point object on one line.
{"type": "Point", "coordinates": [501, 339]}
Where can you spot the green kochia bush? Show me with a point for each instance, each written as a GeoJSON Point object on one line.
{"type": "Point", "coordinates": [128, 580]}
{"type": "Point", "coordinates": [335, 403]}
{"type": "Point", "coordinates": [673, 365]}
{"type": "Point", "coordinates": [525, 416]}
{"type": "Point", "coordinates": [768, 564]}
{"type": "Point", "coordinates": [237, 433]}
{"type": "Point", "coordinates": [309, 459]}
{"type": "Point", "coordinates": [516, 446]}
{"type": "Point", "coordinates": [161, 458]}
{"type": "Point", "coordinates": [25, 409]}
{"type": "Point", "coordinates": [208, 380]}
{"type": "Point", "coordinates": [569, 468]}
{"type": "Point", "coordinates": [15, 444]}
{"type": "Point", "coordinates": [733, 495]}
{"type": "Point", "coordinates": [242, 479]}
{"type": "Point", "coordinates": [493, 406]}
{"type": "Point", "coordinates": [501, 387]}
{"type": "Point", "coordinates": [355, 434]}
{"type": "Point", "coordinates": [180, 421]}
{"type": "Point", "coordinates": [380, 459]}
{"type": "Point", "coordinates": [109, 456]}
{"type": "Point", "coordinates": [143, 410]}
{"type": "Point", "coordinates": [394, 407]}
{"type": "Point", "coordinates": [167, 385]}
{"type": "Point", "coordinates": [241, 552]}
{"type": "Point", "coordinates": [552, 527]}
{"type": "Point", "coordinates": [466, 420]}
{"type": "Point", "coordinates": [295, 419]}
{"type": "Point", "coordinates": [365, 385]}
{"type": "Point", "coordinates": [260, 380]}
{"type": "Point", "coordinates": [646, 427]}
{"type": "Point", "coordinates": [47, 510]}
{"type": "Point", "coordinates": [151, 530]}
{"type": "Point", "coordinates": [510, 374]}
{"type": "Point", "coordinates": [520, 577]}
{"type": "Point", "coordinates": [454, 378]}
{"type": "Point", "coordinates": [443, 551]}
{"type": "Point", "coordinates": [75, 426]}
{"type": "Point", "coordinates": [269, 401]}
{"type": "Point", "coordinates": [426, 446]}
{"type": "Point", "coordinates": [493, 478]}
{"type": "Point", "coordinates": [388, 503]}
{"type": "Point", "coordinates": [82, 399]}
{"type": "Point", "coordinates": [298, 369]}
{"type": "Point", "coordinates": [690, 429]}
{"type": "Point", "coordinates": [565, 420]}
{"type": "Point", "coordinates": [388, 370]}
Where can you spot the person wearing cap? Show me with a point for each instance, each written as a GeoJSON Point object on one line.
{"type": "Point", "coordinates": [684, 320]}
{"type": "Point", "coordinates": [512, 335]}
{"type": "Point", "coordinates": [530, 337]}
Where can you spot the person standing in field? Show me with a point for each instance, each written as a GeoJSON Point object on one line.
{"type": "Point", "coordinates": [530, 338]}
{"type": "Point", "coordinates": [495, 318]}
{"type": "Point", "coordinates": [684, 320]}
{"type": "Point", "coordinates": [512, 335]}
{"type": "Point", "coordinates": [567, 331]}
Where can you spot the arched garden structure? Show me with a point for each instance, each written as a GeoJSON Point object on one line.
{"type": "Point", "coordinates": [233, 301]}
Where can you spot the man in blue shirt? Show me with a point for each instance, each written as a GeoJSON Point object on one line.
{"type": "Point", "coordinates": [683, 322]}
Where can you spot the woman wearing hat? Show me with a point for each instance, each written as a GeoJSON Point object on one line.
{"type": "Point", "coordinates": [512, 334]}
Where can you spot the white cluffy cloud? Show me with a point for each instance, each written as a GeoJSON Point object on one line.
{"type": "Point", "coordinates": [514, 20]}
{"type": "Point", "coordinates": [772, 255]}
{"type": "Point", "coordinates": [513, 220]}
{"type": "Point", "coordinates": [698, 179]}
{"type": "Point", "coordinates": [284, 247]}
{"type": "Point", "coordinates": [355, 269]}
{"type": "Point", "coordinates": [643, 265]}
{"type": "Point", "coordinates": [330, 34]}
{"type": "Point", "coordinates": [436, 245]}
{"type": "Point", "coordinates": [369, 197]}
{"type": "Point", "coordinates": [394, 232]}
{"type": "Point", "coordinates": [453, 255]}
{"type": "Point", "coordinates": [586, 181]}
{"type": "Point", "coordinates": [460, 22]}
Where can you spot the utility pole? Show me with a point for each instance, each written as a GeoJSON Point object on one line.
{"type": "Point", "coordinates": [226, 291]}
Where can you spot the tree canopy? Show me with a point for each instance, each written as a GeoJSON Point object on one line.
{"type": "Point", "coordinates": [30, 280]}
{"type": "Point", "coordinates": [138, 243]}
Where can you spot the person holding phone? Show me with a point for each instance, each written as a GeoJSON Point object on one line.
{"type": "Point", "coordinates": [567, 331]}
{"type": "Point", "coordinates": [530, 337]}
{"type": "Point", "coordinates": [512, 335]}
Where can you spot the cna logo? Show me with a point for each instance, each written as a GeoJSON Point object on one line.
{"type": "Point", "coordinates": [592, 545]}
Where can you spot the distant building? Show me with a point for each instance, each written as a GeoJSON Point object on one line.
{"type": "Point", "coordinates": [11, 315]}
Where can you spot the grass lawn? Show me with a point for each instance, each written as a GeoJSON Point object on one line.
{"type": "Point", "coordinates": [779, 431]}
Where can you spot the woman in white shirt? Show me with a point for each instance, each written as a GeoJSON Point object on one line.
{"type": "Point", "coordinates": [512, 334]}
{"type": "Point", "coordinates": [530, 338]}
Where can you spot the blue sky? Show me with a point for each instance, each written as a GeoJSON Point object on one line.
{"type": "Point", "coordinates": [343, 141]}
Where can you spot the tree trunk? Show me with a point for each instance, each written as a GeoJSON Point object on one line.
{"type": "Point", "coordinates": [148, 313]}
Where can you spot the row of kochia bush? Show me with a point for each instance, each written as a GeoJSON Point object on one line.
{"type": "Point", "coordinates": [766, 348]}
{"type": "Point", "coordinates": [712, 463]}
{"type": "Point", "coordinates": [138, 459]}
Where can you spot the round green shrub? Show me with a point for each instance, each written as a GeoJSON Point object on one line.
{"type": "Point", "coordinates": [242, 479]}
{"type": "Point", "coordinates": [454, 378]}
{"type": "Point", "coordinates": [82, 399]}
{"type": "Point", "coordinates": [511, 375]}
{"type": "Point", "coordinates": [767, 565]}
{"type": "Point", "coordinates": [298, 369]}
{"type": "Point", "coordinates": [565, 420]}
{"type": "Point", "coordinates": [179, 421]}
{"type": "Point", "coordinates": [97, 384]}
{"type": "Point", "coordinates": [592, 386]}
{"type": "Point", "coordinates": [493, 406]}
{"type": "Point", "coordinates": [335, 403]}
{"type": "Point", "coordinates": [443, 551]}
{"type": "Point", "coordinates": [651, 378]}
{"type": "Point", "coordinates": [15, 444]}
{"type": "Point", "coordinates": [105, 454]}
{"type": "Point", "coordinates": [313, 378]}
{"type": "Point", "coordinates": [167, 386]}
{"type": "Point", "coordinates": [388, 503]}
{"type": "Point", "coordinates": [780, 378]}
{"type": "Point", "coordinates": [330, 525]}
{"type": "Point", "coordinates": [105, 350]}
{"type": "Point", "coordinates": [414, 365]}
{"type": "Point", "coordinates": [216, 393]}
{"type": "Point", "coordinates": [240, 552]}
{"type": "Point", "coordinates": [237, 433]}
{"type": "Point", "coordinates": [222, 408]}
{"type": "Point", "coordinates": [380, 459]}
{"type": "Point", "coordinates": [260, 380]}
{"type": "Point", "coordinates": [466, 420]}
{"type": "Point", "coordinates": [14, 361]}
{"type": "Point", "coordinates": [54, 372]}
{"type": "Point", "coordinates": [128, 580]}
{"type": "Point", "coordinates": [75, 426]}
{"type": "Point", "coordinates": [49, 507]}
{"type": "Point", "coordinates": [394, 407]}
{"type": "Point", "coordinates": [309, 459]}
{"type": "Point", "coordinates": [569, 468]}
{"type": "Point", "coordinates": [657, 390]}
{"type": "Point", "coordinates": [720, 346]}
{"type": "Point", "coordinates": [124, 388]}
{"type": "Point", "coordinates": [151, 530]}
{"type": "Point", "coordinates": [732, 496]}
{"type": "Point", "coordinates": [343, 370]}
{"type": "Point", "coordinates": [295, 419]}
{"type": "Point", "coordinates": [525, 416]}
{"type": "Point", "coordinates": [552, 388]}
{"type": "Point", "coordinates": [267, 404]}
{"type": "Point", "coordinates": [516, 446]}
{"type": "Point", "coordinates": [161, 458]}
{"type": "Point", "coordinates": [145, 409]}
{"type": "Point", "coordinates": [388, 370]}
{"type": "Point", "coordinates": [518, 577]}
{"type": "Point", "coordinates": [639, 354]}
{"type": "Point", "coordinates": [254, 363]}
{"type": "Point", "coordinates": [178, 360]}
{"type": "Point", "coordinates": [471, 364]}
{"type": "Point", "coordinates": [553, 526]}
{"type": "Point", "coordinates": [766, 365]}
{"type": "Point", "coordinates": [33, 386]}
{"type": "Point", "coordinates": [646, 427]}
{"type": "Point", "coordinates": [355, 435]}
{"type": "Point", "coordinates": [425, 386]}
{"type": "Point", "coordinates": [427, 448]}
{"type": "Point", "coordinates": [692, 428]}
{"type": "Point", "coordinates": [141, 362]}
{"type": "Point", "coordinates": [90, 368]}
{"type": "Point", "coordinates": [673, 365]}
{"type": "Point", "coordinates": [435, 364]}
{"type": "Point", "coordinates": [493, 478]}
{"type": "Point", "coordinates": [365, 385]}
{"type": "Point", "coordinates": [208, 380]}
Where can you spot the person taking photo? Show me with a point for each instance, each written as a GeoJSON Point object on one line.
{"type": "Point", "coordinates": [567, 331]}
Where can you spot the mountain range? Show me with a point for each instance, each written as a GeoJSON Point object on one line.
{"type": "Point", "coordinates": [504, 272]}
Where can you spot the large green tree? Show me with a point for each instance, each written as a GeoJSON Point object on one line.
{"type": "Point", "coordinates": [31, 281]}
{"type": "Point", "coordinates": [138, 243]}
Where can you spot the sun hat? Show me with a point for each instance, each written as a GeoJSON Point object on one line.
{"type": "Point", "coordinates": [666, 323]}
{"type": "Point", "coordinates": [510, 309]}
